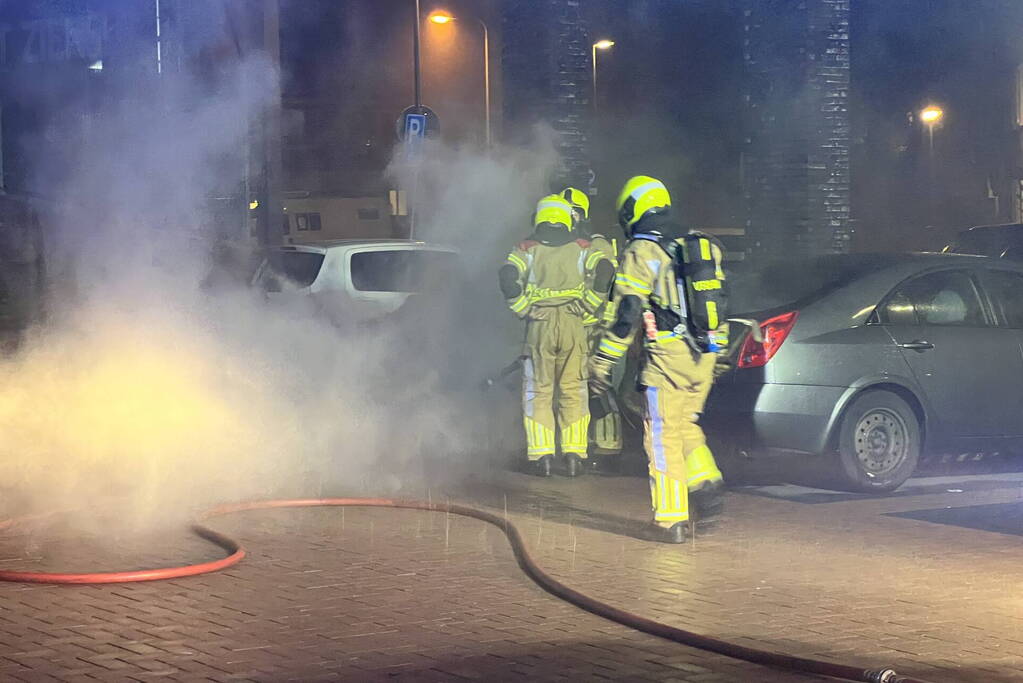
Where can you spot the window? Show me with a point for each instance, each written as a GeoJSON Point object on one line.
{"type": "Point", "coordinates": [946, 298]}
{"type": "Point", "coordinates": [1006, 290]}
{"type": "Point", "coordinates": [298, 267]}
{"type": "Point", "coordinates": [403, 270]}
{"type": "Point", "coordinates": [307, 221]}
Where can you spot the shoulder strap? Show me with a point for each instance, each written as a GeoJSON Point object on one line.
{"type": "Point", "coordinates": [645, 236]}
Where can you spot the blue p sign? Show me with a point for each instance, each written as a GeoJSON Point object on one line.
{"type": "Point", "coordinates": [415, 131]}
{"type": "Point", "coordinates": [415, 126]}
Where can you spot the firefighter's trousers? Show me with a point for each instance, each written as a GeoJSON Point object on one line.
{"type": "Point", "coordinates": [679, 459]}
{"type": "Point", "coordinates": [554, 389]}
{"type": "Point", "coordinates": [605, 430]}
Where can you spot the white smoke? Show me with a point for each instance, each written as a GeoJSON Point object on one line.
{"type": "Point", "coordinates": [147, 392]}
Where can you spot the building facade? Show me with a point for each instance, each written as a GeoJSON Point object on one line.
{"type": "Point", "coordinates": [796, 164]}
{"type": "Point", "coordinates": [547, 78]}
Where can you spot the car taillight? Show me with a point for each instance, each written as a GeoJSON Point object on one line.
{"type": "Point", "coordinates": [774, 330]}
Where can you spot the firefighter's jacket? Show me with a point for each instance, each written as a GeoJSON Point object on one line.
{"type": "Point", "coordinates": [555, 269]}
{"type": "Point", "coordinates": [606, 311]}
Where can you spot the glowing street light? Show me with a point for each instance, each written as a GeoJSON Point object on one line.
{"type": "Point", "coordinates": [441, 17]}
{"type": "Point", "coordinates": [932, 115]}
{"type": "Point", "coordinates": [603, 44]}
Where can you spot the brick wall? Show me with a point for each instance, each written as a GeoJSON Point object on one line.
{"type": "Point", "coordinates": [796, 162]}
{"type": "Point", "coordinates": [546, 63]}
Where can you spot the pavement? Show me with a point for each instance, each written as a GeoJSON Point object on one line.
{"type": "Point", "coordinates": [926, 582]}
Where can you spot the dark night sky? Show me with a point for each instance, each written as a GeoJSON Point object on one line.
{"type": "Point", "coordinates": [962, 56]}
{"type": "Point", "coordinates": [671, 99]}
{"type": "Point", "coordinates": [670, 102]}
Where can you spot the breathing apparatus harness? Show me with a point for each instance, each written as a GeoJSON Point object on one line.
{"type": "Point", "coordinates": [697, 306]}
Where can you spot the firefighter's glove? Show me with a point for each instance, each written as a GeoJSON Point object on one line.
{"type": "Point", "coordinates": [600, 374]}
{"type": "Point", "coordinates": [722, 365]}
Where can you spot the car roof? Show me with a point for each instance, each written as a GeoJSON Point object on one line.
{"type": "Point", "coordinates": [1005, 227]}
{"type": "Point", "coordinates": [935, 257]}
{"type": "Point", "coordinates": [913, 261]}
{"type": "Point", "coordinates": [875, 261]}
{"type": "Point", "coordinates": [887, 265]}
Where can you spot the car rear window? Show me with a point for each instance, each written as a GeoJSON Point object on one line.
{"type": "Point", "coordinates": [298, 267]}
{"type": "Point", "coordinates": [755, 287]}
{"type": "Point", "coordinates": [401, 270]}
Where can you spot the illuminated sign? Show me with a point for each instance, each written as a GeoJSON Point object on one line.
{"type": "Point", "coordinates": [51, 41]}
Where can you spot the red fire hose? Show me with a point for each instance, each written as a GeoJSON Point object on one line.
{"type": "Point", "coordinates": [525, 560]}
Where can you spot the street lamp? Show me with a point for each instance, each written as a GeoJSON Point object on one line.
{"type": "Point", "coordinates": [441, 17]}
{"type": "Point", "coordinates": [604, 44]}
{"type": "Point", "coordinates": [931, 116]}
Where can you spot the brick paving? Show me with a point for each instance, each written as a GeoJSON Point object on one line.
{"type": "Point", "coordinates": [361, 594]}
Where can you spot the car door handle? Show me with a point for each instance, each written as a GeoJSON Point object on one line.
{"type": "Point", "coordinates": [917, 345]}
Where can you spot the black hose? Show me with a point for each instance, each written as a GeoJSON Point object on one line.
{"type": "Point", "coordinates": [525, 561]}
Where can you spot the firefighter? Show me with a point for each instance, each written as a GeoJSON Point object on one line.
{"type": "Point", "coordinates": [675, 377]}
{"type": "Point", "coordinates": [606, 419]}
{"type": "Point", "coordinates": [551, 281]}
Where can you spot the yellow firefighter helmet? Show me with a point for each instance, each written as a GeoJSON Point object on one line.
{"type": "Point", "coordinates": [554, 209]}
{"type": "Point", "coordinates": [641, 195]}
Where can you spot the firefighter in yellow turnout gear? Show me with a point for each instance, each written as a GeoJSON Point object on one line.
{"type": "Point", "coordinates": [675, 376]}
{"type": "Point", "coordinates": [549, 280]}
{"type": "Point", "coordinates": [606, 438]}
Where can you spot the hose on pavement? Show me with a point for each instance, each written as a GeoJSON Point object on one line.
{"type": "Point", "coordinates": [629, 619]}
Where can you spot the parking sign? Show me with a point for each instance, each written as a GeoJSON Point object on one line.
{"type": "Point", "coordinates": [415, 126]}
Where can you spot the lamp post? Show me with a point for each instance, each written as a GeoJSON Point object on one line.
{"type": "Point", "coordinates": [441, 17]}
{"type": "Point", "coordinates": [604, 44]}
{"type": "Point", "coordinates": [931, 116]}
{"type": "Point", "coordinates": [417, 67]}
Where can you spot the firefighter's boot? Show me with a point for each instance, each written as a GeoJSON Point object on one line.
{"type": "Point", "coordinates": [709, 500]}
{"type": "Point", "coordinates": [676, 533]}
{"type": "Point", "coordinates": [541, 467]}
{"type": "Point", "coordinates": [705, 483]}
{"type": "Point", "coordinates": [574, 465]}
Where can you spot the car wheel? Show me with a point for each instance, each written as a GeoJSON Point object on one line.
{"type": "Point", "coordinates": [878, 444]}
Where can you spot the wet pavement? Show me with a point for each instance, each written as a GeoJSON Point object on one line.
{"type": "Point", "coordinates": [926, 582]}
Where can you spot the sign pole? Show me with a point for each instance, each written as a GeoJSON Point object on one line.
{"type": "Point", "coordinates": [412, 128]}
{"type": "Point", "coordinates": [418, 61]}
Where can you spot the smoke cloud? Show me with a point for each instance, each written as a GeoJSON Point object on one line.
{"type": "Point", "coordinates": [150, 395]}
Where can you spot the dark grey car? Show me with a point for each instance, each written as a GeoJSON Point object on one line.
{"type": "Point", "coordinates": [998, 241]}
{"type": "Point", "coordinates": [870, 359]}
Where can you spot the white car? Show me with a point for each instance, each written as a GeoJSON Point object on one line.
{"type": "Point", "coordinates": [358, 279]}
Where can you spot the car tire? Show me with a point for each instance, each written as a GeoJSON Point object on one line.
{"type": "Point", "coordinates": [878, 443]}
